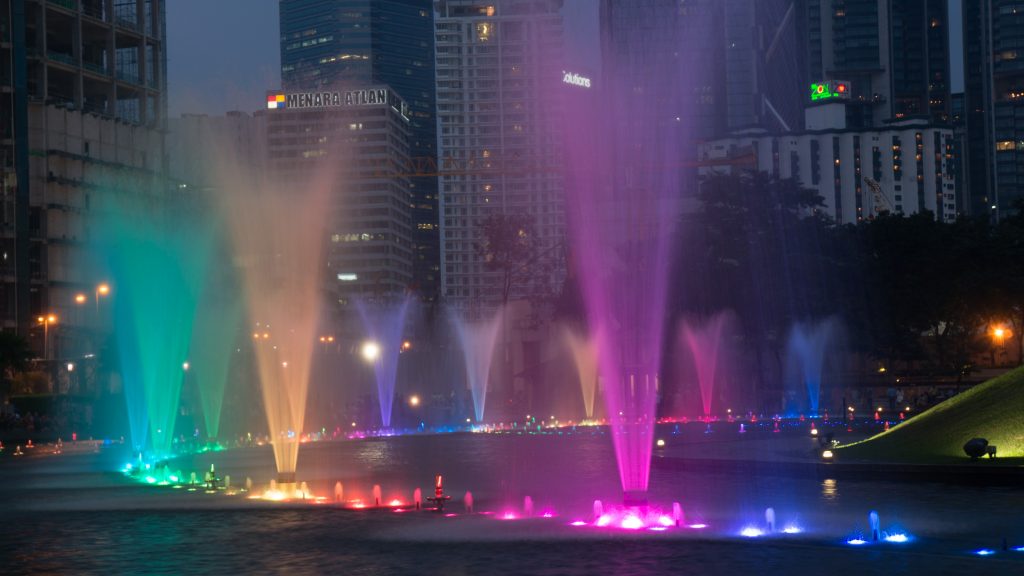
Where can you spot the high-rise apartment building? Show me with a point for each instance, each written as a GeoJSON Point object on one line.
{"type": "Point", "coordinates": [494, 60]}
{"type": "Point", "coordinates": [83, 106]}
{"type": "Point", "coordinates": [994, 105]}
{"type": "Point", "coordinates": [342, 44]}
{"type": "Point", "coordinates": [895, 54]}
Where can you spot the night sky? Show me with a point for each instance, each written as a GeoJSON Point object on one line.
{"type": "Point", "coordinates": [221, 55]}
{"type": "Point", "coordinates": [224, 54]}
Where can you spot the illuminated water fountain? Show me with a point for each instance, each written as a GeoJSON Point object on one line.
{"type": "Point", "coordinates": [477, 339]}
{"type": "Point", "coordinates": [214, 341]}
{"type": "Point", "coordinates": [279, 235]}
{"type": "Point", "coordinates": [385, 325]}
{"type": "Point", "coordinates": [705, 344]}
{"type": "Point", "coordinates": [584, 354]}
{"type": "Point", "coordinates": [806, 348]}
{"type": "Point", "coordinates": [157, 261]}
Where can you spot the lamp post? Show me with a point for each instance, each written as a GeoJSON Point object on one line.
{"type": "Point", "coordinates": [102, 289]}
{"type": "Point", "coordinates": [46, 321]}
{"type": "Point", "coordinates": [999, 335]}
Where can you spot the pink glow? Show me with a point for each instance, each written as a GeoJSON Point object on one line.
{"type": "Point", "coordinates": [578, 523]}
{"type": "Point", "coordinates": [658, 528]}
{"type": "Point", "coordinates": [604, 520]}
{"type": "Point", "coordinates": [396, 502]}
{"type": "Point", "coordinates": [666, 521]}
{"type": "Point", "coordinates": [450, 515]}
{"type": "Point", "coordinates": [704, 341]}
{"type": "Point", "coordinates": [698, 526]}
{"type": "Point", "coordinates": [632, 523]}
{"type": "Point", "coordinates": [548, 515]}
{"type": "Point", "coordinates": [509, 516]}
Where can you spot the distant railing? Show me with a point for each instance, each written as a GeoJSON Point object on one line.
{"type": "Point", "coordinates": [97, 68]}
{"type": "Point", "coordinates": [69, 4]}
{"type": "Point", "coordinates": [61, 57]}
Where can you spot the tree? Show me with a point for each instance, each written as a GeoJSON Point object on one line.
{"type": "Point", "coordinates": [15, 357]}
{"type": "Point", "coordinates": [508, 246]}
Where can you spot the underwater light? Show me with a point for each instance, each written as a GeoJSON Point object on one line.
{"type": "Point", "coordinates": [856, 541]}
{"type": "Point", "coordinates": [578, 523]}
{"type": "Point", "coordinates": [604, 520]}
{"type": "Point", "coordinates": [792, 530]}
{"type": "Point", "coordinates": [632, 523]}
{"type": "Point", "coordinates": [150, 479]}
{"type": "Point", "coordinates": [898, 538]}
{"type": "Point", "coordinates": [751, 532]}
{"type": "Point", "coordinates": [660, 443]}
{"type": "Point", "coordinates": [698, 526]}
{"type": "Point", "coordinates": [985, 552]}
{"type": "Point", "coordinates": [658, 528]}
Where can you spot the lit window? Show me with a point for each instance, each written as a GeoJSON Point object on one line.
{"type": "Point", "coordinates": [1004, 145]}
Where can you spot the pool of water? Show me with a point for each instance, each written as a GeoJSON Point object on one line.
{"type": "Point", "coordinates": [70, 514]}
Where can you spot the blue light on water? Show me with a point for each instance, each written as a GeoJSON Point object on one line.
{"type": "Point", "coordinates": [984, 552]}
{"type": "Point", "coordinates": [856, 541]}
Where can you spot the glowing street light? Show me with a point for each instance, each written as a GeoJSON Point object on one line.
{"type": "Point", "coordinates": [370, 351]}
{"type": "Point", "coordinates": [80, 298]}
{"type": "Point", "coordinates": [102, 289]}
{"type": "Point", "coordinates": [46, 321]}
{"type": "Point", "coordinates": [185, 366]}
{"type": "Point", "coordinates": [414, 400]}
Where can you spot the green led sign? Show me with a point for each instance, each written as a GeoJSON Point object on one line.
{"type": "Point", "coordinates": [830, 90]}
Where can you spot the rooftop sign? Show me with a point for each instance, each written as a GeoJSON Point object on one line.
{"type": "Point", "coordinates": [831, 90]}
{"type": "Point", "coordinates": [336, 99]}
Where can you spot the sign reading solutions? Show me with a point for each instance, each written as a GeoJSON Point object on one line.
{"type": "Point", "coordinates": [574, 79]}
{"type": "Point", "coordinates": [279, 100]}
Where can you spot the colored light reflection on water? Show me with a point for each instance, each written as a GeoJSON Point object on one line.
{"type": "Point", "coordinates": [751, 532]}
{"type": "Point", "coordinates": [856, 541]}
{"type": "Point", "coordinates": [578, 523]}
{"type": "Point", "coordinates": [897, 538]}
{"type": "Point", "coordinates": [985, 552]}
{"type": "Point", "coordinates": [698, 526]}
{"type": "Point", "coordinates": [792, 530]}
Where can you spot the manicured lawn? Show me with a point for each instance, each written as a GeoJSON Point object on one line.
{"type": "Point", "coordinates": [993, 410]}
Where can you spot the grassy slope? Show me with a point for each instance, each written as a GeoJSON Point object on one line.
{"type": "Point", "coordinates": [993, 410]}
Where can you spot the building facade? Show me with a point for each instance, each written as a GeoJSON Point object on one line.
{"type": "Point", "coordinates": [905, 167]}
{"type": "Point", "coordinates": [334, 43]}
{"type": "Point", "coordinates": [494, 60]}
{"type": "Point", "coordinates": [84, 105]}
{"type": "Point", "coordinates": [994, 105]}
{"type": "Point", "coordinates": [364, 135]}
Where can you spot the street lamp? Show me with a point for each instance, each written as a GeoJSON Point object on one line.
{"type": "Point", "coordinates": [46, 321]}
{"type": "Point", "coordinates": [102, 289]}
{"type": "Point", "coordinates": [999, 336]}
{"type": "Point", "coordinates": [414, 400]}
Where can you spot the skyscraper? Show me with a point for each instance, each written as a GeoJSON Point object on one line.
{"type": "Point", "coordinates": [358, 43]}
{"type": "Point", "coordinates": [494, 60]}
{"type": "Point", "coordinates": [86, 82]}
{"type": "Point", "coordinates": [994, 105]}
{"type": "Point", "coordinates": [895, 54]}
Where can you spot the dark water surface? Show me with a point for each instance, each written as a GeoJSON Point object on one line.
{"type": "Point", "coordinates": [65, 515]}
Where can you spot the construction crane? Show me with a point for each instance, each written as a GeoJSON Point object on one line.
{"type": "Point", "coordinates": [881, 202]}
